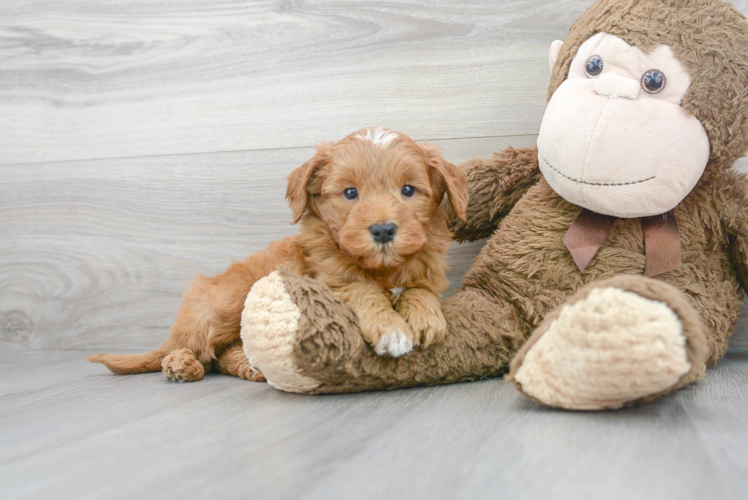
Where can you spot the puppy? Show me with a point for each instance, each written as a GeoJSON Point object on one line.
{"type": "Point", "coordinates": [371, 228]}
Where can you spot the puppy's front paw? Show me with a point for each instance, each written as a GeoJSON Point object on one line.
{"type": "Point", "coordinates": [388, 333]}
{"type": "Point", "coordinates": [428, 323]}
{"type": "Point", "coordinates": [395, 343]}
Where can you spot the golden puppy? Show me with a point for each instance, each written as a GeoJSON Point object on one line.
{"type": "Point", "coordinates": [371, 228]}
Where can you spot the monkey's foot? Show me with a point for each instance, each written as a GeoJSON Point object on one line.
{"type": "Point", "coordinates": [305, 340]}
{"type": "Point", "coordinates": [621, 341]}
{"type": "Point", "coordinates": [270, 327]}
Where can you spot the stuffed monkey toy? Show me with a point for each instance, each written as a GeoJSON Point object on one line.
{"type": "Point", "coordinates": [618, 248]}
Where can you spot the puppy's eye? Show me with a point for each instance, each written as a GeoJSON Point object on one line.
{"type": "Point", "coordinates": [653, 81]}
{"type": "Point", "coordinates": [408, 191]}
{"type": "Point", "coordinates": [594, 66]}
{"type": "Point", "coordinates": [350, 194]}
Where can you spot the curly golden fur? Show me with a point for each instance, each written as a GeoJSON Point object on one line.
{"type": "Point", "coordinates": [336, 245]}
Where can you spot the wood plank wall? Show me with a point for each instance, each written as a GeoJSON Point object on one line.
{"type": "Point", "coordinates": [143, 141]}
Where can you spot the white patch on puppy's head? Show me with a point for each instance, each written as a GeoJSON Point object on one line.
{"type": "Point", "coordinates": [378, 136]}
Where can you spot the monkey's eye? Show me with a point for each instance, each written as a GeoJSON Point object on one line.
{"type": "Point", "coordinates": [653, 81]}
{"type": "Point", "coordinates": [350, 194]}
{"type": "Point", "coordinates": [408, 191]}
{"type": "Point", "coordinates": [594, 66]}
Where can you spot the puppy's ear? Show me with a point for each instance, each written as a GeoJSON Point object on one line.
{"type": "Point", "coordinates": [299, 181]}
{"type": "Point", "coordinates": [452, 177]}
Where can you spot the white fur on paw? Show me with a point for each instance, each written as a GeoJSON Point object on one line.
{"type": "Point", "coordinates": [269, 327]}
{"type": "Point", "coordinates": [394, 343]}
{"type": "Point", "coordinates": [609, 348]}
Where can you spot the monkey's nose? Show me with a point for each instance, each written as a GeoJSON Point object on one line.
{"type": "Point", "coordinates": [611, 85]}
{"type": "Point", "coordinates": [383, 233]}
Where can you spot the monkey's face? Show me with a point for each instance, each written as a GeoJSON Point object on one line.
{"type": "Point", "coordinates": [614, 138]}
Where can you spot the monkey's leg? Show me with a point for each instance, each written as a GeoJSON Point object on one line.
{"type": "Point", "coordinates": [304, 340]}
{"type": "Point", "coordinates": [617, 342]}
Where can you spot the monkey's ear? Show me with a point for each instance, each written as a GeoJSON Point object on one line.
{"type": "Point", "coordinates": [554, 52]}
{"type": "Point", "coordinates": [453, 179]}
{"type": "Point", "coordinates": [297, 192]}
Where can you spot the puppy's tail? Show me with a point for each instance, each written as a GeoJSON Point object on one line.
{"type": "Point", "coordinates": [125, 364]}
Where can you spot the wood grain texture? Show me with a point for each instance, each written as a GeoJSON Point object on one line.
{"type": "Point", "coordinates": [96, 254]}
{"type": "Point", "coordinates": [78, 432]}
{"type": "Point", "coordinates": [108, 205]}
{"type": "Point", "coordinates": [85, 79]}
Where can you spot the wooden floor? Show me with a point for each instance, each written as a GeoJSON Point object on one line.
{"type": "Point", "coordinates": [145, 141]}
{"type": "Point", "coordinates": [69, 430]}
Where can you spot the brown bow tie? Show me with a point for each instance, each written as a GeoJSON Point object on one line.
{"type": "Point", "coordinates": [661, 240]}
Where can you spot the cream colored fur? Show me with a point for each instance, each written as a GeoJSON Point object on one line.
{"type": "Point", "coordinates": [616, 86]}
{"type": "Point", "coordinates": [622, 59]}
{"type": "Point", "coordinates": [608, 146]}
{"type": "Point", "coordinates": [269, 322]}
{"type": "Point", "coordinates": [612, 347]}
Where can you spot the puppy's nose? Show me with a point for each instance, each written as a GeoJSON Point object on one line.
{"type": "Point", "coordinates": [383, 233]}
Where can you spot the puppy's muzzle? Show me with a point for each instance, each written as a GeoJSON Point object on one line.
{"type": "Point", "coordinates": [383, 233]}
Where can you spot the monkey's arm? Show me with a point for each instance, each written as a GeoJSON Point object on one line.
{"type": "Point", "coordinates": [733, 198]}
{"type": "Point", "coordinates": [494, 185]}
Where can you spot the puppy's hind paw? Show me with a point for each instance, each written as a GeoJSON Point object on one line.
{"type": "Point", "coordinates": [182, 366]}
{"type": "Point", "coordinates": [394, 343]}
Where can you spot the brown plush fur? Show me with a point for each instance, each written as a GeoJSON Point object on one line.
{"type": "Point", "coordinates": [524, 272]}
{"type": "Point", "coordinates": [335, 245]}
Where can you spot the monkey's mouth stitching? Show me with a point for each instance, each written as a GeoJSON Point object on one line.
{"type": "Point", "coordinates": [593, 183]}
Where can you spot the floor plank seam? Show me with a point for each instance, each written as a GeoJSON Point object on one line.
{"type": "Point", "coordinates": [237, 151]}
